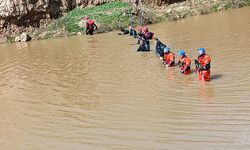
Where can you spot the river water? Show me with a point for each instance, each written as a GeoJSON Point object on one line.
{"type": "Point", "coordinates": [97, 93]}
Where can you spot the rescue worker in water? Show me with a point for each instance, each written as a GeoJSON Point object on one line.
{"type": "Point", "coordinates": [139, 31]}
{"type": "Point", "coordinates": [202, 65]}
{"type": "Point", "coordinates": [139, 34]}
{"type": "Point", "coordinates": [147, 35]}
{"type": "Point", "coordinates": [131, 31]}
{"type": "Point", "coordinates": [159, 48]}
{"type": "Point", "coordinates": [144, 45]}
{"type": "Point", "coordinates": [90, 26]}
{"type": "Point", "coordinates": [169, 58]}
{"type": "Point", "coordinates": [184, 62]}
{"type": "Point", "coordinates": [144, 33]}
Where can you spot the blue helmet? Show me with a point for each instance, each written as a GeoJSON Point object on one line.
{"type": "Point", "coordinates": [202, 50]}
{"type": "Point", "coordinates": [166, 49]}
{"type": "Point", "coordinates": [182, 52]}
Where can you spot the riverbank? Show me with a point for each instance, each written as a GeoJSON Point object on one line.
{"type": "Point", "coordinates": [115, 15]}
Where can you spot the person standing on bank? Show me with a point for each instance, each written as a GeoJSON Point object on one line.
{"type": "Point", "coordinates": [90, 26]}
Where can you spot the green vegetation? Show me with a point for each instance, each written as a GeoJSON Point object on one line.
{"type": "Point", "coordinates": [114, 15]}
{"type": "Point", "coordinates": [108, 16]}
{"type": "Point", "coordinates": [10, 39]}
{"type": "Point", "coordinates": [245, 2]}
{"type": "Point", "coordinates": [200, 7]}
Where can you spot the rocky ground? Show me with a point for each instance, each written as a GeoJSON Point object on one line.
{"type": "Point", "coordinates": [22, 21]}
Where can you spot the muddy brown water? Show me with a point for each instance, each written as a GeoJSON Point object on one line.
{"type": "Point", "coordinates": [97, 93]}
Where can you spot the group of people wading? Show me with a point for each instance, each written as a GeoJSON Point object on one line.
{"type": "Point", "coordinates": [202, 63]}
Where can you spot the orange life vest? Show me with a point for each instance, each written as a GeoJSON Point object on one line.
{"type": "Point", "coordinates": [169, 58]}
{"type": "Point", "coordinates": [184, 64]}
{"type": "Point", "coordinates": [204, 61]}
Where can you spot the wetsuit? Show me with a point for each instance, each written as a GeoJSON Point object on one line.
{"type": "Point", "coordinates": [148, 35]}
{"type": "Point", "coordinates": [159, 48]}
{"type": "Point", "coordinates": [124, 32]}
{"type": "Point", "coordinates": [139, 36]}
{"type": "Point", "coordinates": [90, 27]}
{"type": "Point", "coordinates": [133, 33]}
{"type": "Point", "coordinates": [145, 46]}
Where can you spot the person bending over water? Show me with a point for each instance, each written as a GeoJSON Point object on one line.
{"type": "Point", "coordinates": [159, 47]}
{"type": "Point", "coordinates": [143, 33]}
{"type": "Point", "coordinates": [131, 32]}
{"type": "Point", "coordinates": [124, 32]}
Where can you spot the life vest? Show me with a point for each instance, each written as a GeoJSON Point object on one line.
{"type": "Point", "coordinates": [204, 61]}
{"type": "Point", "coordinates": [148, 35]}
{"type": "Point", "coordinates": [169, 58]}
{"type": "Point", "coordinates": [204, 72]}
{"type": "Point", "coordinates": [184, 64]}
{"type": "Point", "coordinates": [91, 24]}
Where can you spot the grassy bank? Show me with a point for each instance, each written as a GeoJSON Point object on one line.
{"type": "Point", "coordinates": [108, 17]}
{"type": "Point", "coordinates": [112, 16]}
{"type": "Point", "coordinates": [198, 7]}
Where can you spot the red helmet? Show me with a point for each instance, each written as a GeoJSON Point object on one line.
{"type": "Point", "coordinates": [145, 29]}
{"type": "Point", "coordinates": [139, 29]}
{"type": "Point", "coordinates": [86, 18]}
{"type": "Point", "coordinates": [91, 22]}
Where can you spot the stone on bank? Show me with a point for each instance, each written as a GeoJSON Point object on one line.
{"type": "Point", "coordinates": [24, 37]}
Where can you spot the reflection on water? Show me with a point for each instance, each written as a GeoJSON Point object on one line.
{"type": "Point", "coordinates": [206, 91]}
{"type": "Point", "coordinates": [22, 45]}
{"type": "Point", "coordinates": [97, 93]}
